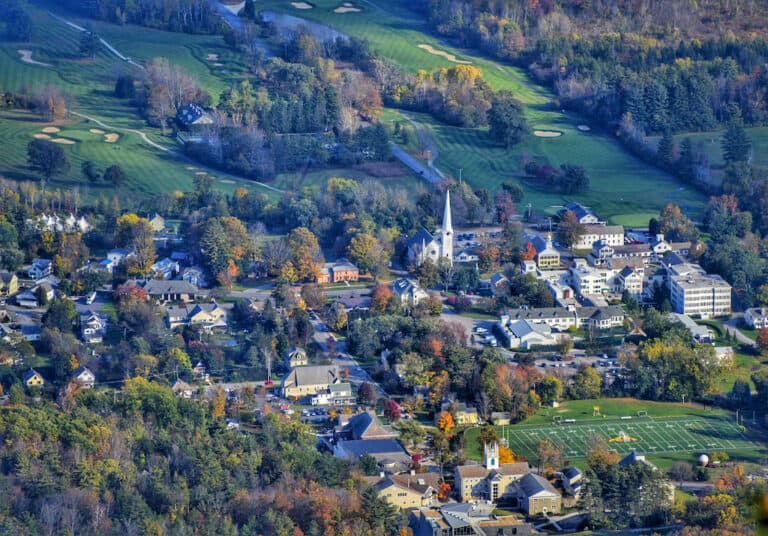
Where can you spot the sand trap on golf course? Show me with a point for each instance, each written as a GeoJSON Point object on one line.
{"type": "Point", "coordinates": [111, 137]}
{"type": "Point", "coordinates": [227, 181]}
{"type": "Point", "coordinates": [64, 141]}
{"type": "Point", "coordinates": [51, 130]}
{"type": "Point", "coordinates": [584, 128]}
{"type": "Point", "coordinates": [234, 8]}
{"type": "Point", "coordinates": [26, 57]}
{"type": "Point", "coordinates": [212, 57]}
{"type": "Point", "coordinates": [302, 5]}
{"type": "Point", "coordinates": [96, 131]}
{"type": "Point", "coordinates": [443, 53]}
{"type": "Point", "coordinates": [191, 168]}
{"type": "Point", "coordinates": [347, 8]}
{"type": "Point", "coordinates": [547, 133]}
{"type": "Point", "coordinates": [41, 136]}
{"type": "Point", "coordinates": [218, 65]}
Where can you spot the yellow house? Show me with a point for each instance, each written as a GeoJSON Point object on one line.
{"type": "Point", "coordinates": [409, 491]}
{"type": "Point", "coordinates": [491, 481]}
{"type": "Point", "coordinates": [309, 380]}
{"type": "Point", "coordinates": [9, 283]}
{"type": "Point", "coordinates": [33, 379]}
{"type": "Point", "coordinates": [546, 255]}
{"type": "Point", "coordinates": [466, 415]}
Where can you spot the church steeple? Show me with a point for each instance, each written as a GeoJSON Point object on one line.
{"type": "Point", "coordinates": [447, 230]}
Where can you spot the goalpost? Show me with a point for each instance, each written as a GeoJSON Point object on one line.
{"type": "Point", "coordinates": [557, 419]}
{"type": "Point", "coordinates": [642, 413]}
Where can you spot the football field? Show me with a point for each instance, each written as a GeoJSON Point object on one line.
{"type": "Point", "coordinates": [647, 435]}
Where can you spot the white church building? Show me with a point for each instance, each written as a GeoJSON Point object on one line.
{"type": "Point", "coordinates": [424, 245]}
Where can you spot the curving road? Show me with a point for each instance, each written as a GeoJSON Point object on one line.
{"type": "Point", "coordinates": [429, 172]}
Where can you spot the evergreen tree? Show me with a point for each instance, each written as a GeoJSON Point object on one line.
{"type": "Point", "coordinates": [89, 42]}
{"type": "Point", "coordinates": [736, 145]}
{"type": "Point", "coordinates": [665, 150]}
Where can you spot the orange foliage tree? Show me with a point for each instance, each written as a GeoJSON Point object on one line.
{"type": "Point", "coordinates": [506, 455]}
{"type": "Point", "coordinates": [444, 421]}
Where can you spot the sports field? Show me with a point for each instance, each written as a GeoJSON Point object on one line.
{"type": "Point", "coordinates": [648, 435]}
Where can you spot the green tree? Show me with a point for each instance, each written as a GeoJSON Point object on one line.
{"type": "Point", "coordinates": [550, 389]}
{"type": "Point", "coordinates": [506, 120]}
{"type": "Point", "coordinates": [90, 172]}
{"type": "Point", "coordinates": [114, 174]}
{"type": "Point", "coordinates": [16, 394]}
{"type": "Point", "coordinates": [47, 158]}
{"type": "Point", "coordinates": [665, 149]}
{"type": "Point", "coordinates": [487, 435]}
{"type": "Point", "coordinates": [586, 384]}
{"type": "Point", "coordinates": [380, 515]}
{"type": "Point", "coordinates": [90, 43]}
{"type": "Point", "coordinates": [569, 230]}
{"type": "Point", "coordinates": [61, 315]}
{"type": "Point", "coordinates": [369, 465]}
{"type": "Point", "coordinates": [411, 432]}
{"type": "Point", "coordinates": [736, 145]}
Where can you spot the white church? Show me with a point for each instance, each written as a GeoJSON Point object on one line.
{"type": "Point", "coordinates": [425, 245]}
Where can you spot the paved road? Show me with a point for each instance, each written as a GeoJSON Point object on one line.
{"type": "Point", "coordinates": [236, 23]}
{"type": "Point", "coordinates": [732, 327]}
{"type": "Point", "coordinates": [429, 171]}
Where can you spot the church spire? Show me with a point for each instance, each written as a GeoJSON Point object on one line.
{"type": "Point", "coordinates": [446, 240]}
{"type": "Point", "coordinates": [447, 225]}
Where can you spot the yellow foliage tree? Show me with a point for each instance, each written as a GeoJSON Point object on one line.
{"type": "Point", "coordinates": [506, 455]}
{"type": "Point", "coordinates": [219, 403]}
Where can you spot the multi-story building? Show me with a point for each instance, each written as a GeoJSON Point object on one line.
{"type": "Point", "coordinates": [491, 481]}
{"type": "Point", "coordinates": [756, 317]}
{"type": "Point", "coordinates": [588, 280]}
{"type": "Point", "coordinates": [700, 294]}
{"type": "Point", "coordinates": [341, 270]}
{"type": "Point", "coordinates": [546, 255]}
{"type": "Point", "coordinates": [612, 234]}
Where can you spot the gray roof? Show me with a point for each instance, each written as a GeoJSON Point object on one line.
{"type": "Point", "coordinates": [380, 447]}
{"type": "Point", "coordinates": [531, 484]}
{"type": "Point", "coordinates": [562, 312]}
{"type": "Point", "coordinates": [579, 209]}
{"type": "Point", "coordinates": [311, 375]}
{"type": "Point", "coordinates": [162, 286]}
{"type": "Point", "coordinates": [422, 236]}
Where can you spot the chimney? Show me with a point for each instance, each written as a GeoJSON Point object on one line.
{"type": "Point", "coordinates": [413, 472]}
{"type": "Point", "coordinates": [381, 474]}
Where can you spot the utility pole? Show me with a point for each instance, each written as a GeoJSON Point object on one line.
{"type": "Point", "coordinates": [460, 170]}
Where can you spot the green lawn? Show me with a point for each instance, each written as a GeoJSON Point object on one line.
{"type": "Point", "coordinates": [620, 182]}
{"type": "Point", "coordinates": [669, 432]}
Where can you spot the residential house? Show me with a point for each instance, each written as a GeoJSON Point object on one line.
{"type": "Point", "coordinates": [296, 357]}
{"type": "Point", "coordinates": [408, 491]}
{"type": "Point", "coordinates": [491, 481]}
{"type": "Point", "coordinates": [613, 235]}
{"type": "Point", "coordinates": [119, 255]}
{"type": "Point", "coordinates": [199, 371]}
{"type": "Point", "coordinates": [703, 295]}
{"type": "Point", "coordinates": [165, 268]}
{"type": "Point", "coordinates": [535, 495]}
{"type": "Point", "coordinates": [193, 115]}
{"type": "Point", "coordinates": [338, 394]}
{"type": "Point", "coordinates": [335, 272]}
{"type": "Point", "coordinates": [547, 257]}
{"type": "Point", "coordinates": [756, 317]}
{"type": "Point", "coordinates": [93, 326]}
{"type": "Point", "coordinates": [182, 389]}
{"type": "Point", "coordinates": [571, 478]}
{"type": "Point", "coordinates": [562, 318]}
{"type": "Point", "coordinates": [526, 334]}
{"type": "Point", "coordinates": [207, 315]}
{"type": "Point", "coordinates": [501, 418]}
{"type": "Point", "coordinates": [40, 268]}
{"type": "Point", "coordinates": [588, 280]}
{"type": "Point", "coordinates": [194, 275]}
{"type": "Point", "coordinates": [499, 285]}
{"type": "Point", "coordinates": [409, 292]}
{"type": "Point", "coordinates": [466, 255]}
{"type": "Point", "coordinates": [601, 253]}
{"type": "Point", "coordinates": [32, 378]}
{"type": "Point", "coordinates": [30, 298]}
{"type": "Point", "coordinates": [308, 380]}
{"type": "Point", "coordinates": [463, 414]}
{"type": "Point", "coordinates": [9, 283]}
{"type": "Point", "coordinates": [83, 377]}
{"type": "Point", "coordinates": [583, 214]}
{"type": "Point", "coordinates": [108, 265]}
{"type": "Point", "coordinates": [170, 291]}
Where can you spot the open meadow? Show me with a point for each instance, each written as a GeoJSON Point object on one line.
{"type": "Point", "coordinates": [664, 432]}
{"type": "Point", "coordinates": [621, 183]}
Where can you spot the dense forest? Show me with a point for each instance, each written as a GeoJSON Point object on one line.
{"type": "Point", "coordinates": [672, 65]}
{"type": "Point", "coordinates": [192, 16]}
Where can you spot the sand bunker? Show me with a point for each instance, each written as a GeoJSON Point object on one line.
{"type": "Point", "coordinates": [584, 128]}
{"type": "Point", "coordinates": [234, 8]}
{"type": "Point", "coordinates": [26, 57]}
{"type": "Point", "coordinates": [201, 173]}
{"type": "Point", "coordinates": [547, 133]}
{"type": "Point", "coordinates": [111, 138]}
{"type": "Point", "coordinates": [51, 130]}
{"type": "Point", "coordinates": [218, 65]}
{"type": "Point", "coordinates": [64, 141]}
{"type": "Point", "coordinates": [443, 53]}
{"type": "Point", "coordinates": [191, 168]}
{"type": "Point", "coordinates": [41, 136]}
{"type": "Point", "coordinates": [227, 181]}
{"type": "Point", "coordinates": [302, 5]}
{"type": "Point", "coordinates": [346, 9]}
{"type": "Point", "coordinates": [212, 57]}
{"type": "Point", "coordinates": [96, 131]}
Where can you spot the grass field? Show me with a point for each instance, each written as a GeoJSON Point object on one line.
{"type": "Point", "coordinates": [669, 432]}
{"type": "Point", "coordinates": [620, 182]}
